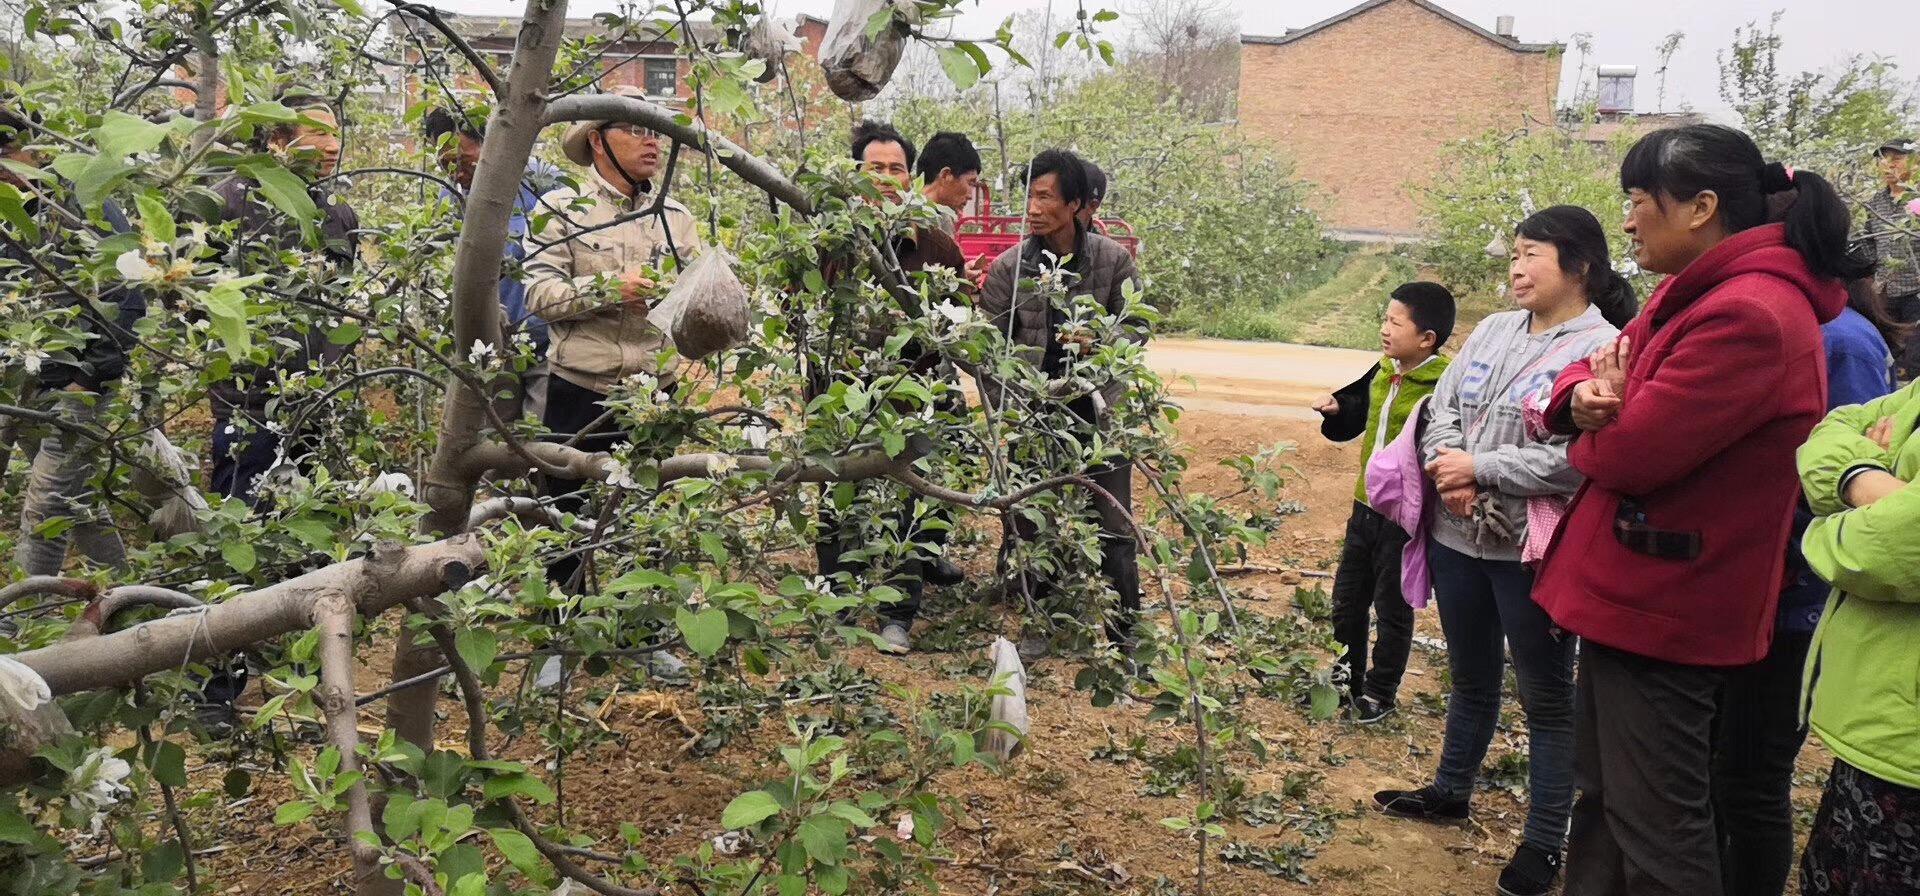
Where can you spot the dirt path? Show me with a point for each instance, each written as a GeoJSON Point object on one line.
{"type": "Point", "coordinates": [1260, 379]}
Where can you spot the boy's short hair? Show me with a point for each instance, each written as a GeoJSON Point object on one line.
{"type": "Point", "coordinates": [1431, 307]}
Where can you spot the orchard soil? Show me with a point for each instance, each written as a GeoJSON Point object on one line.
{"type": "Point", "coordinates": [1057, 820]}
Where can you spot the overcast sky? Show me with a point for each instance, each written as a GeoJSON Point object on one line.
{"type": "Point", "coordinates": [1625, 32]}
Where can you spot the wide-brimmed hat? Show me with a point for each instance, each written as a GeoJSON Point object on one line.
{"type": "Point", "coordinates": [574, 141]}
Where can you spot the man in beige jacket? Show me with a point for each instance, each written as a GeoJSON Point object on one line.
{"type": "Point", "coordinates": [594, 283]}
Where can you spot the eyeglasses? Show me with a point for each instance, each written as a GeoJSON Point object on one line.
{"type": "Point", "coordinates": [632, 130]}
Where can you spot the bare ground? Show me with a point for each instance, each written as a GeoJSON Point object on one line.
{"type": "Point", "coordinates": [1058, 820]}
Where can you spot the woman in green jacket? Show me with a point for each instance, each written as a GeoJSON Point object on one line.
{"type": "Point", "coordinates": [1864, 679]}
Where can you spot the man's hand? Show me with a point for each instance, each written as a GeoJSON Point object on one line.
{"type": "Point", "coordinates": [637, 290]}
{"type": "Point", "coordinates": [1871, 486]}
{"type": "Point", "coordinates": [1080, 337]}
{"type": "Point", "coordinates": [1459, 501]}
{"type": "Point", "coordinates": [1327, 405]}
{"type": "Point", "coordinates": [978, 267]}
{"type": "Point", "coordinates": [1452, 470]}
{"type": "Point", "coordinates": [1595, 405]}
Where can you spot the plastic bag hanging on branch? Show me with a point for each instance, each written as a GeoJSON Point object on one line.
{"type": "Point", "coordinates": [705, 312]}
{"type": "Point", "coordinates": [858, 59]}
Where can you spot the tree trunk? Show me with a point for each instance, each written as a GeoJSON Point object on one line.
{"type": "Point", "coordinates": [449, 487]}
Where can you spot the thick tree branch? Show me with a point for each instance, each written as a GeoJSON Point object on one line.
{"type": "Point", "coordinates": [660, 119]}
{"type": "Point", "coordinates": [393, 575]}
{"type": "Point", "coordinates": [333, 618]}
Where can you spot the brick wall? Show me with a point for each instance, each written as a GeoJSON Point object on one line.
{"type": "Point", "coordinates": [1365, 106]}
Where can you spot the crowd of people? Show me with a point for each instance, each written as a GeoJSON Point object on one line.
{"type": "Point", "coordinates": [1606, 492]}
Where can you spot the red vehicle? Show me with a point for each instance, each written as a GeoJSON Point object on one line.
{"type": "Point", "coordinates": [987, 234]}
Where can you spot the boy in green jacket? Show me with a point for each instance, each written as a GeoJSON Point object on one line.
{"type": "Point", "coordinates": [1419, 318]}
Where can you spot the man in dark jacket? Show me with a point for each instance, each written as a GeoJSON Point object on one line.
{"type": "Point", "coordinates": [1041, 330]}
{"type": "Point", "coordinates": [74, 380]}
{"type": "Point", "coordinates": [265, 240]}
{"type": "Point", "coordinates": [887, 157]}
{"type": "Point", "coordinates": [1891, 226]}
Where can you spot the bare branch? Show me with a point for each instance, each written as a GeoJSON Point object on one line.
{"type": "Point", "coordinates": [432, 17]}
{"type": "Point", "coordinates": [660, 119]}
{"type": "Point", "coordinates": [395, 573]}
{"type": "Point", "coordinates": [53, 585]}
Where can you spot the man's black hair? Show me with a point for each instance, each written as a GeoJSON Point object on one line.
{"type": "Point", "coordinates": [949, 151]}
{"type": "Point", "coordinates": [870, 132]}
{"type": "Point", "coordinates": [440, 122]}
{"type": "Point", "coordinates": [1069, 169]}
{"type": "Point", "coordinates": [1431, 307]}
{"type": "Point", "coordinates": [1096, 182]}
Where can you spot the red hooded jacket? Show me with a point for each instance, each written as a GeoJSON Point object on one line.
{"type": "Point", "coordinates": [1727, 378]}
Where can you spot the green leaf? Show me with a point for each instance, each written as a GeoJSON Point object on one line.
{"type": "Point", "coordinates": [705, 632]}
{"type": "Point", "coordinates": [1106, 15]}
{"type": "Point", "coordinates": [236, 783]}
{"type": "Point", "coordinates": [825, 838]}
{"type": "Point", "coordinates": [170, 764]}
{"type": "Point", "coordinates": [239, 555]}
{"type": "Point", "coordinates": [226, 304]}
{"type": "Point", "coordinates": [14, 827]}
{"type": "Point", "coordinates": [351, 6]}
{"type": "Point", "coordinates": [502, 786]}
{"type": "Point", "coordinates": [1324, 700]}
{"type": "Point", "coordinates": [347, 333]}
{"type": "Point", "coordinates": [120, 135]}
{"type": "Point", "coordinates": [293, 813]}
{"type": "Point", "coordinates": [13, 208]}
{"type": "Point", "coordinates": [749, 809]}
{"type": "Point", "coordinates": [313, 533]}
{"type": "Point", "coordinates": [960, 67]}
{"type": "Point", "coordinates": [518, 850]}
{"type": "Point", "coordinates": [287, 192]}
{"type": "Point", "coordinates": [853, 815]}
{"type": "Point", "coordinates": [477, 645]}
{"type": "Point", "coordinates": [155, 220]}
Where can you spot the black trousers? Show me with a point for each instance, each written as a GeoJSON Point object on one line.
{"type": "Point", "coordinates": [1369, 578]}
{"type": "Point", "coordinates": [1906, 310]}
{"type": "Point", "coordinates": [1119, 553]}
{"type": "Point", "coordinates": [1643, 824]}
{"type": "Point", "coordinates": [837, 540]}
{"type": "Point", "coordinates": [572, 410]}
{"type": "Point", "coordinates": [1756, 739]}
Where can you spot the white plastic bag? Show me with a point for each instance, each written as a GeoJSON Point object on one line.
{"type": "Point", "coordinates": [1009, 708]}
{"type": "Point", "coordinates": [858, 66]}
{"type": "Point", "coordinates": [705, 312]}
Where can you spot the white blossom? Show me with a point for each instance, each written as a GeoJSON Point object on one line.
{"type": "Point", "coordinates": [133, 265]}
{"type": "Point", "coordinates": [30, 359]}
{"type": "Point", "coordinates": [954, 313]}
{"type": "Point", "coordinates": [903, 829]}
{"type": "Point", "coordinates": [721, 464]}
{"type": "Point", "coordinates": [618, 476]}
{"type": "Point", "coordinates": [757, 435]}
{"type": "Point", "coordinates": [481, 352]}
{"type": "Point", "coordinates": [391, 483]}
{"type": "Point", "coordinates": [98, 784]}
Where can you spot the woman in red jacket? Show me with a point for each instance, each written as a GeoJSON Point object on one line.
{"type": "Point", "coordinates": [1669, 561]}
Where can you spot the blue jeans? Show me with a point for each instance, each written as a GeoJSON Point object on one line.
{"type": "Point", "coordinates": [1482, 604]}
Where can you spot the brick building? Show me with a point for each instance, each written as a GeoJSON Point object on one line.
{"type": "Point", "coordinates": [641, 60]}
{"type": "Point", "coordinates": [1364, 102]}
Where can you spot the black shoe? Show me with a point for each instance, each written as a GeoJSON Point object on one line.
{"type": "Point", "coordinates": [1531, 873]}
{"type": "Point", "coordinates": [1368, 711]}
{"type": "Point", "coordinates": [943, 573]}
{"type": "Point", "coordinates": [1425, 804]}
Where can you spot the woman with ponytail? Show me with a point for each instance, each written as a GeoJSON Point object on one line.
{"type": "Point", "coordinates": [1488, 468]}
{"type": "Point", "coordinates": [1669, 562]}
